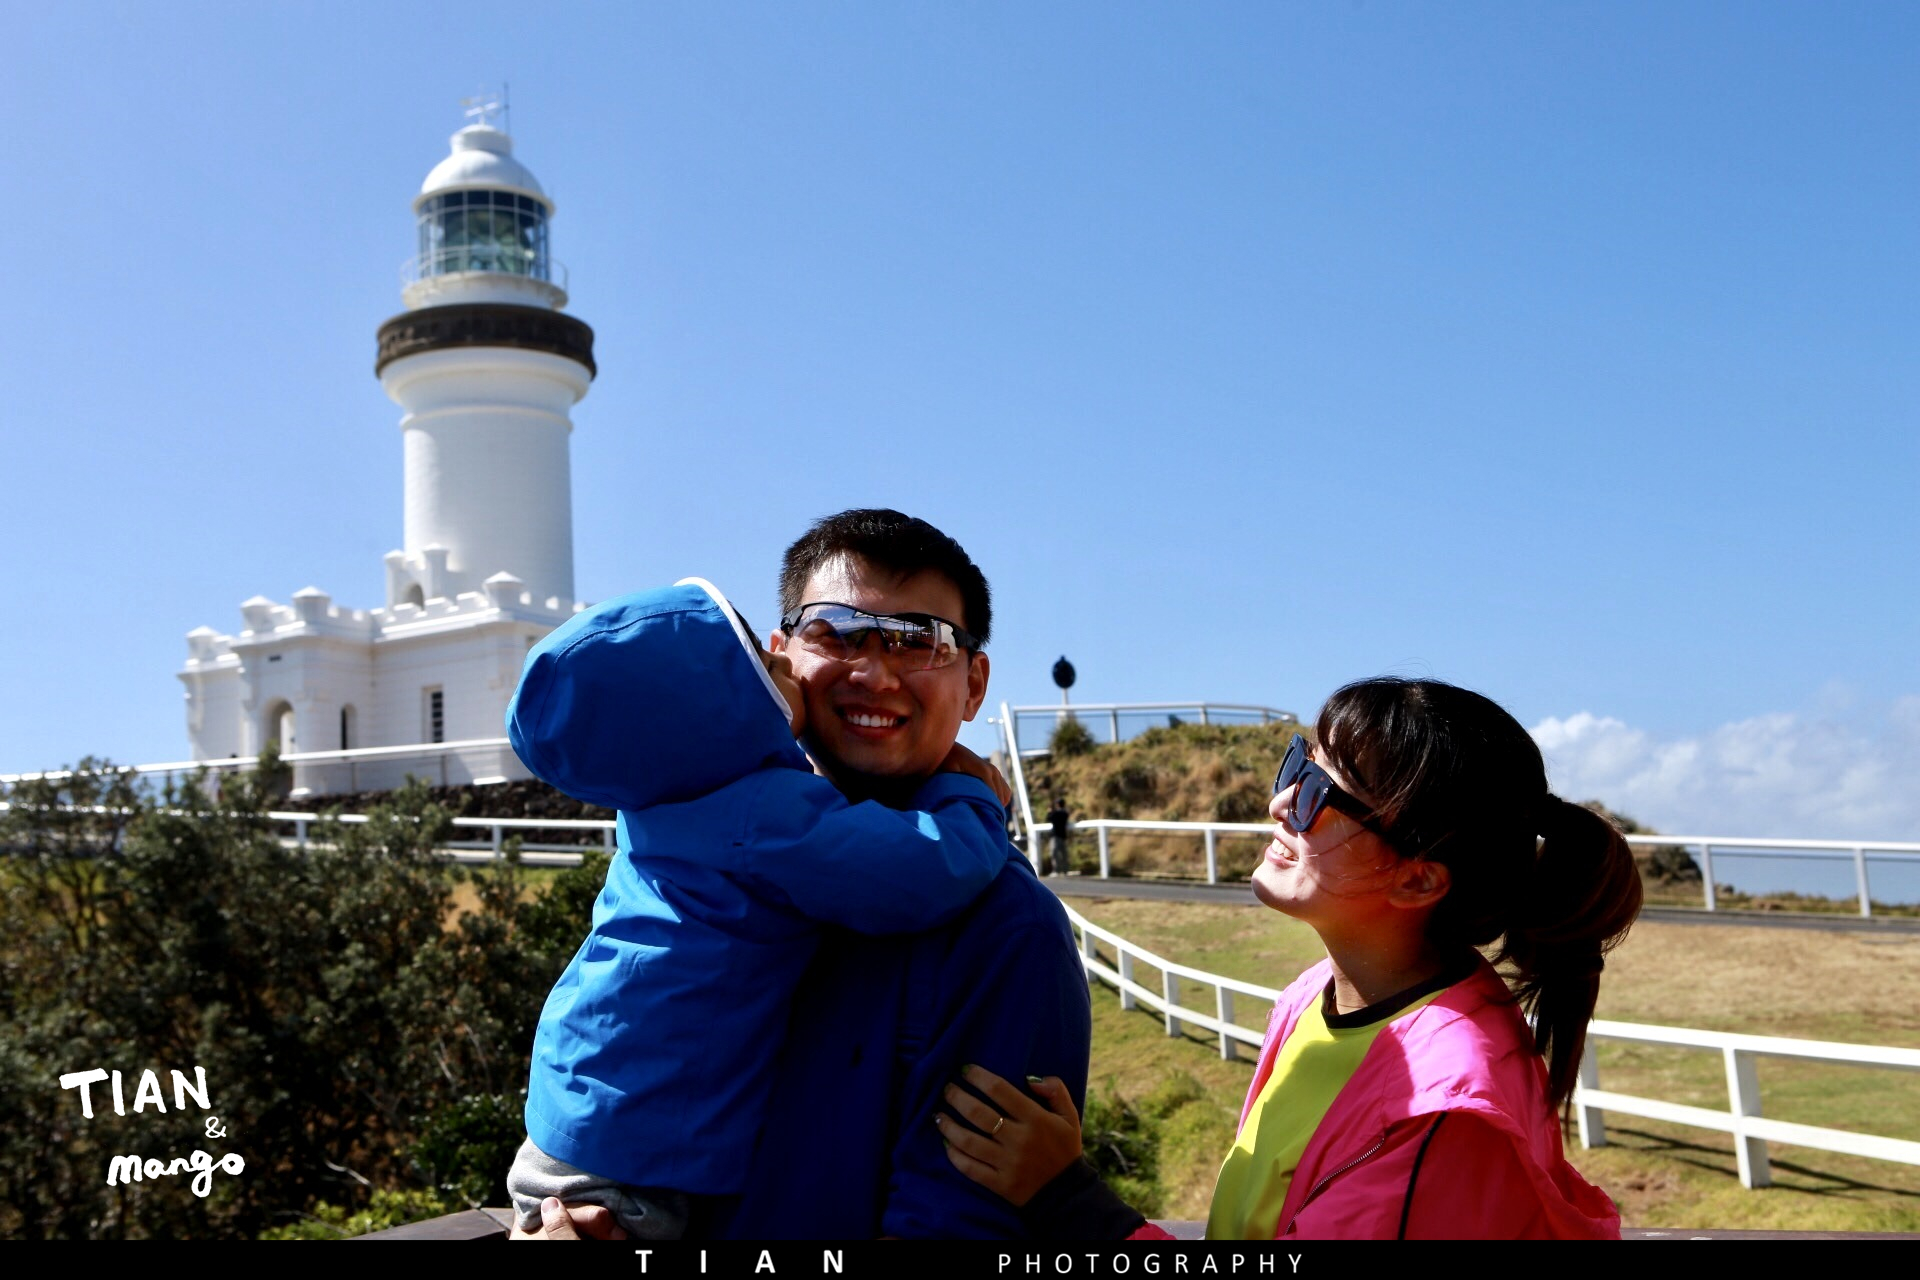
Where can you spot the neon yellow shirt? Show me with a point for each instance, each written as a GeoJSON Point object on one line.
{"type": "Point", "coordinates": [1311, 1068]}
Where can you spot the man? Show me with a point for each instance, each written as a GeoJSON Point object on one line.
{"type": "Point", "coordinates": [1060, 823]}
{"type": "Point", "coordinates": [882, 1026]}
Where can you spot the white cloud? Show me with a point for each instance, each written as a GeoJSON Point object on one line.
{"type": "Point", "coordinates": [1781, 774]}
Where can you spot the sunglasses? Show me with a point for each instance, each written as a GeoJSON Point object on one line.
{"type": "Point", "coordinates": [1315, 790]}
{"type": "Point", "coordinates": [913, 641]}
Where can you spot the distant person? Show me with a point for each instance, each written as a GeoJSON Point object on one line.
{"type": "Point", "coordinates": [1061, 822]}
{"type": "Point", "coordinates": [654, 1056]}
{"type": "Point", "coordinates": [1400, 1092]}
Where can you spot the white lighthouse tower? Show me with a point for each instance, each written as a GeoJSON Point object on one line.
{"type": "Point", "coordinates": [487, 368]}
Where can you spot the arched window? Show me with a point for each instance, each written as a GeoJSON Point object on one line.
{"type": "Point", "coordinates": [415, 596]}
{"type": "Point", "coordinates": [276, 727]}
{"type": "Point", "coordinates": [346, 728]}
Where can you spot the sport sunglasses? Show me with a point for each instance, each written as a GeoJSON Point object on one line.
{"type": "Point", "coordinates": [915, 641]}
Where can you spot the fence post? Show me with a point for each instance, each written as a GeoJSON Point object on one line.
{"type": "Point", "coordinates": [300, 832]}
{"type": "Point", "coordinates": [496, 841]}
{"type": "Point", "coordinates": [1592, 1120]}
{"type": "Point", "coordinates": [1213, 859]}
{"type": "Point", "coordinates": [1113, 722]}
{"type": "Point", "coordinates": [1126, 976]}
{"type": "Point", "coordinates": [1106, 863]}
{"type": "Point", "coordinates": [606, 840]}
{"type": "Point", "coordinates": [1860, 879]}
{"type": "Point", "coordinates": [1203, 713]}
{"type": "Point", "coordinates": [1170, 992]}
{"type": "Point", "coordinates": [1743, 1085]}
{"type": "Point", "coordinates": [443, 768]}
{"type": "Point", "coordinates": [1706, 868]}
{"type": "Point", "coordinates": [1223, 1010]}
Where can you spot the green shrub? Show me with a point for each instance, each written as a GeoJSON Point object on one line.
{"type": "Point", "coordinates": [1128, 787]}
{"type": "Point", "coordinates": [383, 1209]}
{"type": "Point", "coordinates": [356, 1042]}
{"type": "Point", "coordinates": [1071, 738]}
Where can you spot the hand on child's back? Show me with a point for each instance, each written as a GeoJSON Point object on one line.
{"type": "Point", "coordinates": [961, 760]}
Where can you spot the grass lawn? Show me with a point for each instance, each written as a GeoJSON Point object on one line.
{"type": "Point", "coordinates": [1859, 988]}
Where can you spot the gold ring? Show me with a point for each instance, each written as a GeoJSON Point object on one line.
{"type": "Point", "coordinates": [996, 1126]}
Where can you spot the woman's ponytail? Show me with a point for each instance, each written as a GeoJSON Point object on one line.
{"type": "Point", "coordinates": [1583, 895]}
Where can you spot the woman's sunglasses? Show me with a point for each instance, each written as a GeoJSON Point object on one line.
{"type": "Point", "coordinates": [1314, 790]}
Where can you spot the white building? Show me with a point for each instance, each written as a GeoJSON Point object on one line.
{"type": "Point", "coordinates": [486, 367]}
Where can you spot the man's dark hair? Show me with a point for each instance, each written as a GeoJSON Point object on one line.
{"type": "Point", "coordinates": [896, 543]}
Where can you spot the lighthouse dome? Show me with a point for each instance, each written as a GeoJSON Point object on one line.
{"type": "Point", "coordinates": [482, 219]}
{"type": "Point", "coordinates": [482, 159]}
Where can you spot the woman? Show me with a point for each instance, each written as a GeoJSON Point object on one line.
{"type": "Point", "coordinates": [1400, 1092]}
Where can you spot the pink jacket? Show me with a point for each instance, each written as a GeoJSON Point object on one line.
{"type": "Point", "coordinates": [1443, 1131]}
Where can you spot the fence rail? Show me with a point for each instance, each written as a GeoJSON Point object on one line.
{"type": "Point", "coordinates": [490, 849]}
{"type": "Point", "coordinates": [1109, 714]}
{"type": "Point", "coordinates": [1743, 1118]}
{"type": "Point", "coordinates": [425, 750]}
{"type": "Point", "coordinates": [1859, 854]}
{"type": "Point", "coordinates": [1167, 1000]}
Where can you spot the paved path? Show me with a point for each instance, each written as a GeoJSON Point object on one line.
{"type": "Point", "coordinates": [1238, 894]}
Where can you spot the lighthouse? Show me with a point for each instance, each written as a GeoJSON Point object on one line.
{"type": "Point", "coordinates": [486, 366]}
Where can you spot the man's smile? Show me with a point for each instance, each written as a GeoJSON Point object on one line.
{"type": "Point", "coordinates": [873, 721]}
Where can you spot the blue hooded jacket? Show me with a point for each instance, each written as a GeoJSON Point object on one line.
{"type": "Point", "coordinates": [655, 1051]}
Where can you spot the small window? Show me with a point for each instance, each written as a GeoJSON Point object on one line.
{"type": "Point", "coordinates": [436, 716]}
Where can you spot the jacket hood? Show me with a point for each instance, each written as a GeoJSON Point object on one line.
{"type": "Point", "coordinates": [683, 654]}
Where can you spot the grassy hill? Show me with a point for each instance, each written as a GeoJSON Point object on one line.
{"type": "Point", "coordinates": [1175, 773]}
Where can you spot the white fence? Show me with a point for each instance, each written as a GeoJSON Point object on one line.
{"type": "Point", "coordinates": [473, 761]}
{"type": "Point", "coordinates": [1860, 855]}
{"type": "Point", "coordinates": [489, 849]}
{"type": "Point", "coordinates": [493, 847]}
{"type": "Point", "coordinates": [1743, 1117]}
{"type": "Point", "coordinates": [1113, 717]}
{"type": "Point", "coordinates": [1119, 975]}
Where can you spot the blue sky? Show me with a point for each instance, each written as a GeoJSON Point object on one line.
{"type": "Point", "coordinates": [1565, 352]}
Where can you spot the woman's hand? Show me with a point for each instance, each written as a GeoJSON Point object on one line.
{"type": "Point", "coordinates": [1021, 1146]}
{"type": "Point", "coordinates": [572, 1222]}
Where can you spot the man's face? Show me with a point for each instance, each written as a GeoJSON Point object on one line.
{"type": "Point", "coordinates": [865, 716]}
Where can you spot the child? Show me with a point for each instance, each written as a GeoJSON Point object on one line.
{"type": "Point", "coordinates": [655, 1052]}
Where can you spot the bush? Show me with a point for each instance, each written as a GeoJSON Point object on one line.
{"type": "Point", "coordinates": [1128, 787]}
{"type": "Point", "coordinates": [1070, 738]}
{"type": "Point", "coordinates": [354, 1040]}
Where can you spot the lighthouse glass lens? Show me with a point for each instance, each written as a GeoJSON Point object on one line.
{"type": "Point", "coordinates": [496, 231]}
